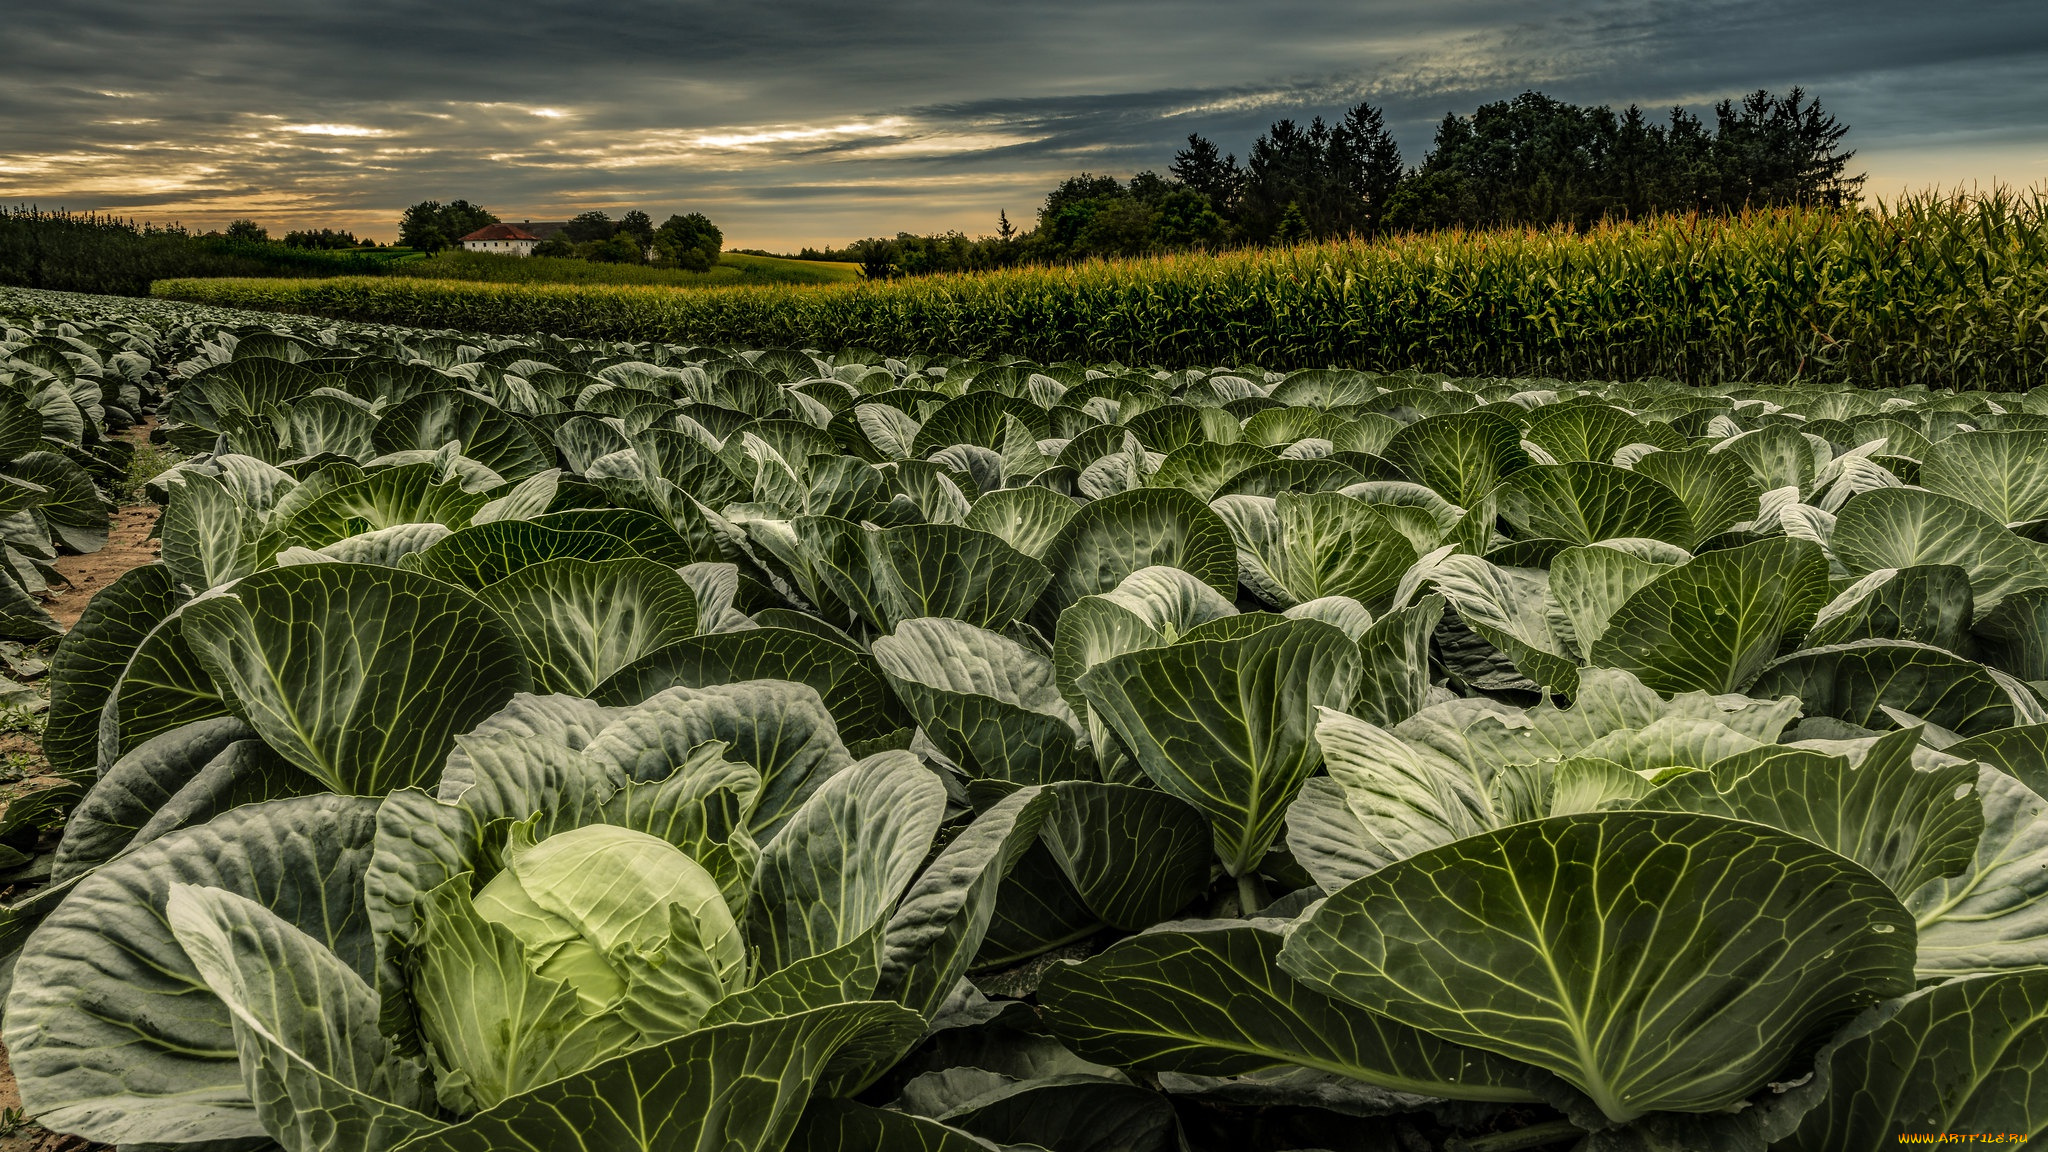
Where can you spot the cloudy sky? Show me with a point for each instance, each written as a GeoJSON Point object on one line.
{"type": "Point", "coordinates": [804, 121]}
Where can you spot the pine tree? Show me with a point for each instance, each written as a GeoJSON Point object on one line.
{"type": "Point", "coordinates": [1293, 226]}
{"type": "Point", "coordinates": [1289, 167]}
{"type": "Point", "coordinates": [1365, 162]}
{"type": "Point", "coordinates": [1202, 167]}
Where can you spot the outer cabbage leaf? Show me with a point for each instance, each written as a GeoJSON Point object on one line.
{"type": "Point", "coordinates": [488, 434]}
{"type": "Point", "coordinates": [1997, 471]}
{"type": "Point", "coordinates": [781, 729]}
{"type": "Point", "coordinates": [91, 657]}
{"type": "Point", "coordinates": [1294, 547]}
{"type": "Point", "coordinates": [839, 866]}
{"type": "Point", "coordinates": [1713, 623]}
{"type": "Point", "coordinates": [1134, 856]}
{"type": "Point", "coordinates": [407, 494]}
{"type": "Point", "coordinates": [134, 788]}
{"type": "Point", "coordinates": [164, 686]}
{"type": "Point", "coordinates": [1462, 455]}
{"type": "Point", "coordinates": [1961, 1057]}
{"type": "Point", "coordinates": [1993, 916]}
{"type": "Point", "coordinates": [1570, 943]}
{"type": "Point", "coordinates": [1591, 584]}
{"type": "Point", "coordinates": [1513, 610]}
{"type": "Point", "coordinates": [2012, 637]}
{"type": "Point", "coordinates": [990, 704]}
{"type": "Point", "coordinates": [940, 923]}
{"type": "Point", "coordinates": [1394, 676]}
{"type": "Point", "coordinates": [359, 675]}
{"type": "Point", "coordinates": [322, 1077]}
{"type": "Point", "coordinates": [482, 555]}
{"type": "Point", "coordinates": [844, 1126]}
{"type": "Point", "coordinates": [113, 1033]}
{"type": "Point", "coordinates": [1210, 999]}
{"type": "Point", "coordinates": [1113, 537]}
{"type": "Point", "coordinates": [845, 678]}
{"type": "Point", "coordinates": [1027, 519]}
{"type": "Point", "coordinates": [1929, 603]}
{"type": "Point", "coordinates": [1718, 491]}
{"type": "Point", "coordinates": [1587, 501]}
{"type": "Point", "coordinates": [1905, 527]}
{"type": "Point", "coordinates": [581, 621]}
{"type": "Point", "coordinates": [1228, 725]}
{"type": "Point", "coordinates": [1859, 680]}
{"type": "Point", "coordinates": [1906, 825]}
{"type": "Point", "coordinates": [953, 571]}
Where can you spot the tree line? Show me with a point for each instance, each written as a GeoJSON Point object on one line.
{"type": "Point", "coordinates": [1530, 161]}
{"type": "Point", "coordinates": [88, 252]}
{"type": "Point", "coordinates": [317, 239]}
{"type": "Point", "coordinates": [691, 242]}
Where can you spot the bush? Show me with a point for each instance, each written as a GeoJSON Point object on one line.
{"type": "Point", "coordinates": [621, 248]}
{"type": "Point", "coordinates": [691, 242]}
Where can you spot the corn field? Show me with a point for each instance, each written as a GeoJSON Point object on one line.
{"type": "Point", "coordinates": [1936, 290]}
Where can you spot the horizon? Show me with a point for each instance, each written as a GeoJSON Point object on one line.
{"type": "Point", "coordinates": [1867, 200]}
{"type": "Point", "coordinates": [809, 126]}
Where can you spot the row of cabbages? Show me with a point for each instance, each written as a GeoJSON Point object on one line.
{"type": "Point", "coordinates": [538, 744]}
{"type": "Point", "coordinates": [66, 382]}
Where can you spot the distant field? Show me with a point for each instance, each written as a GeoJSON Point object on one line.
{"type": "Point", "coordinates": [1934, 292]}
{"type": "Point", "coordinates": [733, 269]}
{"type": "Point", "coordinates": [85, 252]}
{"type": "Point", "coordinates": [790, 271]}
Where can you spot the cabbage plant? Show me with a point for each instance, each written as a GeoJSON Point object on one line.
{"type": "Point", "coordinates": [594, 892]}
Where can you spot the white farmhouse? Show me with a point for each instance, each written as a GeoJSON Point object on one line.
{"type": "Point", "coordinates": [502, 239]}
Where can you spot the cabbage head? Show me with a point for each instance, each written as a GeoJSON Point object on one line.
{"type": "Point", "coordinates": [597, 907]}
{"type": "Point", "coordinates": [592, 942]}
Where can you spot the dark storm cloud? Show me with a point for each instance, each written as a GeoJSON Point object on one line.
{"type": "Point", "coordinates": [811, 121]}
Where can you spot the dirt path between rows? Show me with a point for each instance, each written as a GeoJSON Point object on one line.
{"type": "Point", "coordinates": [128, 546]}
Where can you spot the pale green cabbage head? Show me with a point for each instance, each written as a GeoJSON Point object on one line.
{"type": "Point", "coordinates": [591, 943]}
{"type": "Point", "coordinates": [617, 913]}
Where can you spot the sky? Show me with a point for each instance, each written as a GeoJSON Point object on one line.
{"type": "Point", "coordinates": [811, 122]}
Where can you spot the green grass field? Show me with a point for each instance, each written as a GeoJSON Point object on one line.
{"type": "Point", "coordinates": [733, 269]}
{"type": "Point", "coordinates": [790, 271]}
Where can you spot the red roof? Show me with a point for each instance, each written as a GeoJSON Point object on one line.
{"type": "Point", "coordinates": [499, 232]}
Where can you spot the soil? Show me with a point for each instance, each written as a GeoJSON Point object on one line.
{"type": "Point", "coordinates": [128, 546]}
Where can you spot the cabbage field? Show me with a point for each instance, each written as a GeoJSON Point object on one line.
{"type": "Point", "coordinates": [563, 744]}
